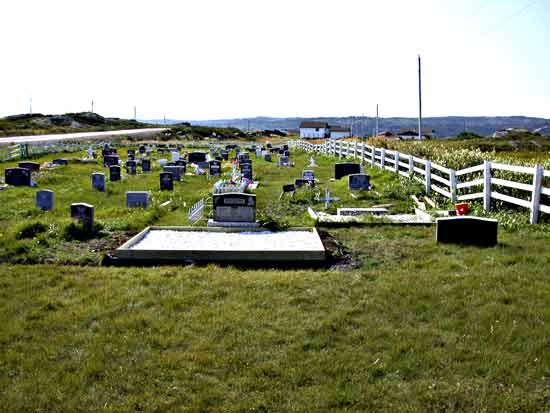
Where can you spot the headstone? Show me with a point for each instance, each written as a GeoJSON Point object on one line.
{"type": "Point", "coordinates": [177, 171]}
{"type": "Point", "coordinates": [218, 158]}
{"type": "Point", "coordinates": [196, 157]}
{"type": "Point", "coordinates": [467, 230]}
{"type": "Point", "coordinates": [142, 149]}
{"type": "Point", "coordinates": [258, 152]}
{"type": "Point", "coordinates": [359, 181]}
{"type": "Point", "coordinates": [17, 176]}
{"type": "Point", "coordinates": [235, 207]}
{"type": "Point", "coordinates": [146, 165]}
{"type": "Point", "coordinates": [285, 147]}
{"type": "Point", "coordinates": [44, 199]}
{"type": "Point", "coordinates": [215, 168]}
{"type": "Point", "coordinates": [309, 175]}
{"type": "Point", "coordinates": [267, 157]}
{"type": "Point", "coordinates": [346, 168]}
{"type": "Point", "coordinates": [114, 173]}
{"type": "Point", "coordinates": [286, 153]}
{"type": "Point", "coordinates": [131, 167]}
{"type": "Point", "coordinates": [289, 188]}
{"type": "Point", "coordinates": [246, 170]}
{"type": "Point", "coordinates": [31, 166]}
{"type": "Point", "coordinates": [166, 181]}
{"type": "Point", "coordinates": [137, 199]}
{"type": "Point", "coordinates": [298, 183]}
{"type": "Point", "coordinates": [84, 214]}
{"type": "Point", "coordinates": [175, 156]}
{"type": "Point", "coordinates": [225, 155]}
{"type": "Point", "coordinates": [182, 163]}
{"type": "Point", "coordinates": [268, 145]}
{"type": "Point", "coordinates": [131, 152]}
{"type": "Point", "coordinates": [98, 181]}
{"type": "Point", "coordinates": [243, 157]}
{"type": "Point", "coordinates": [283, 161]}
{"type": "Point", "coordinates": [60, 162]}
{"type": "Point", "coordinates": [109, 160]}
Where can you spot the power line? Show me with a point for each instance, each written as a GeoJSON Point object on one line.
{"type": "Point", "coordinates": [508, 18]}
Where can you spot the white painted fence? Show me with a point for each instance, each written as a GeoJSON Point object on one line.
{"type": "Point", "coordinates": [196, 211]}
{"type": "Point", "coordinates": [445, 181]}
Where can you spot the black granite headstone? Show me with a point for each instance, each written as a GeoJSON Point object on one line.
{"type": "Point", "coordinates": [215, 168]}
{"type": "Point", "coordinates": [359, 181]}
{"type": "Point", "coordinates": [17, 176]}
{"type": "Point", "coordinates": [467, 230]}
{"type": "Point", "coordinates": [346, 168]}
{"type": "Point", "coordinates": [166, 181]}
{"type": "Point", "coordinates": [131, 167]}
{"type": "Point", "coordinates": [196, 157]}
{"type": "Point", "coordinates": [146, 165]}
{"type": "Point", "coordinates": [235, 207]}
{"type": "Point", "coordinates": [289, 188]}
{"type": "Point", "coordinates": [114, 173]}
{"type": "Point", "coordinates": [60, 162]}
{"type": "Point", "coordinates": [31, 166]}
{"type": "Point", "coordinates": [84, 214]}
{"type": "Point", "coordinates": [109, 160]}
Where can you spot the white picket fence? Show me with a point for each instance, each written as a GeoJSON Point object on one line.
{"type": "Point", "coordinates": [445, 181]}
{"type": "Point", "coordinates": [196, 212]}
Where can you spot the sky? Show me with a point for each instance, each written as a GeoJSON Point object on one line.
{"type": "Point", "coordinates": [216, 59]}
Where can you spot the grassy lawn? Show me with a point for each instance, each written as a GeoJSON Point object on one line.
{"type": "Point", "coordinates": [411, 326]}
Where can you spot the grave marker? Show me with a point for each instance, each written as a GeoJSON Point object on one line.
{"type": "Point", "coordinates": [114, 173]}
{"type": "Point", "coordinates": [44, 200]}
{"type": "Point", "coordinates": [359, 182]}
{"type": "Point", "coordinates": [146, 165]}
{"type": "Point", "coordinates": [346, 168]}
{"type": "Point", "coordinates": [131, 167]}
{"type": "Point", "coordinates": [166, 181]}
{"type": "Point", "coordinates": [137, 199]}
{"type": "Point", "coordinates": [467, 230]}
{"type": "Point", "coordinates": [215, 168]}
{"type": "Point", "coordinates": [235, 207]}
{"type": "Point", "coordinates": [98, 181]}
{"type": "Point", "coordinates": [31, 166]}
{"type": "Point", "coordinates": [17, 176]}
{"type": "Point", "coordinates": [84, 214]}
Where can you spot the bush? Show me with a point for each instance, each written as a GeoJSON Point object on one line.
{"type": "Point", "coordinates": [31, 229]}
{"type": "Point", "coordinates": [79, 232]}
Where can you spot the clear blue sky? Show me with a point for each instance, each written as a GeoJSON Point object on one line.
{"type": "Point", "coordinates": [213, 59]}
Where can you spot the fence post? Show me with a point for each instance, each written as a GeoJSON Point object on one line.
{"type": "Point", "coordinates": [355, 150]}
{"type": "Point", "coordinates": [535, 197]}
{"type": "Point", "coordinates": [486, 186]}
{"type": "Point", "coordinates": [334, 146]}
{"type": "Point", "coordinates": [382, 157]}
{"type": "Point", "coordinates": [373, 157]}
{"type": "Point", "coordinates": [396, 161]}
{"type": "Point", "coordinates": [428, 180]}
{"type": "Point", "coordinates": [411, 166]}
{"type": "Point", "coordinates": [452, 186]}
{"type": "Point", "coordinates": [362, 153]}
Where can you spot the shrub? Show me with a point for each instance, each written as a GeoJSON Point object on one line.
{"type": "Point", "coordinates": [31, 229]}
{"type": "Point", "coordinates": [78, 232]}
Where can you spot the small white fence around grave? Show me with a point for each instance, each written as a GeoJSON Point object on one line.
{"type": "Point", "coordinates": [447, 182]}
{"type": "Point", "coordinates": [196, 212]}
{"type": "Point", "coordinates": [26, 150]}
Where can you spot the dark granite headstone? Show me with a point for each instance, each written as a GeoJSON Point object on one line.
{"type": "Point", "coordinates": [114, 173]}
{"type": "Point", "coordinates": [166, 181]}
{"type": "Point", "coordinates": [131, 152]}
{"type": "Point", "coordinates": [267, 157]}
{"type": "Point", "coordinates": [137, 199]}
{"type": "Point", "coordinates": [359, 181]}
{"type": "Point", "coordinates": [218, 158]}
{"type": "Point", "coordinates": [309, 175]}
{"type": "Point", "coordinates": [131, 167]}
{"type": "Point", "coordinates": [215, 168]}
{"type": "Point", "coordinates": [17, 176]}
{"type": "Point", "coordinates": [196, 157]}
{"type": "Point", "coordinates": [182, 163]}
{"type": "Point", "coordinates": [289, 188]}
{"type": "Point", "coordinates": [225, 155]}
{"type": "Point", "coordinates": [346, 168]}
{"type": "Point", "coordinates": [146, 165]}
{"type": "Point", "coordinates": [109, 160]}
{"type": "Point", "coordinates": [298, 183]}
{"type": "Point", "coordinates": [177, 171]}
{"type": "Point", "coordinates": [246, 170]}
{"type": "Point", "coordinates": [60, 162]}
{"type": "Point", "coordinates": [98, 181]}
{"type": "Point", "coordinates": [467, 230]}
{"type": "Point", "coordinates": [84, 214]}
{"type": "Point", "coordinates": [44, 199]}
{"type": "Point", "coordinates": [31, 166]}
{"type": "Point", "coordinates": [235, 207]}
{"type": "Point", "coordinates": [142, 149]}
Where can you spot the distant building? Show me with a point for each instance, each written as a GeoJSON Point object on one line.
{"type": "Point", "coordinates": [412, 134]}
{"type": "Point", "coordinates": [314, 130]}
{"type": "Point", "coordinates": [502, 133]}
{"type": "Point", "coordinates": [337, 132]}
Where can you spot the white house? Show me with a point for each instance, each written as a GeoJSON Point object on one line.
{"type": "Point", "coordinates": [339, 133]}
{"type": "Point", "coordinates": [412, 134]}
{"type": "Point", "coordinates": [315, 130]}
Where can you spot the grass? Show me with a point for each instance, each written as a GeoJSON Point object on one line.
{"type": "Point", "coordinates": [412, 326]}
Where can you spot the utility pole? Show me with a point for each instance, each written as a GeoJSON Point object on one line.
{"type": "Point", "coordinates": [30, 105]}
{"type": "Point", "coordinates": [92, 106]}
{"type": "Point", "coordinates": [377, 131]}
{"type": "Point", "coordinates": [165, 119]}
{"type": "Point", "coordinates": [419, 99]}
{"type": "Point", "coordinates": [135, 113]}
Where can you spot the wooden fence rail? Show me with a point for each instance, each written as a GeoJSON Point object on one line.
{"type": "Point", "coordinates": [447, 182]}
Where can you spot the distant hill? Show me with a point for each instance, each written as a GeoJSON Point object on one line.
{"type": "Point", "coordinates": [446, 126]}
{"type": "Point", "coordinates": [37, 123]}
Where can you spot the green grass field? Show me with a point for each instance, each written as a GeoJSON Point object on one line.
{"type": "Point", "coordinates": [405, 325]}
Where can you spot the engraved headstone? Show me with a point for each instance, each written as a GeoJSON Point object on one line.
{"type": "Point", "coordinates": [146, 165]}
{"type": "Point", "coordinates": [109, 160]}
{"type": "Point", "coordinates": [235, 207]}
{"type": "Point", "coordinates": [359, 182]}
{"type": "Point", "coordinates": [215, 168]}
{"type": "Point", "coordinates": [267, 157]}
{"type": "Point", "coordinates": [84, 214]}
{"type": "Point", "coordinates": [346, 168]}
{"type": "Point", "coordinates": [137, 199]}
{"type": "Point", "coordinates": [60, 162]}
{"type": "Point", "coordinates": [31, 166]}
{"type": "Point", "coordinates": [166, 181]}
{"type": "Point", "coordinates": [98, 181]}
{"type": "Point", "coordinates": [17, 176]}
{"type": "Point", "coordinates": [177, 171]}
{"type": "Point", "coordinates": [114, 173]}
{"type": "Point", "coordinates": [44, 199]}
{"type": "Point", "coordinates": [131, 167]}
{"type": "Point", "coordinates": [467, 230]}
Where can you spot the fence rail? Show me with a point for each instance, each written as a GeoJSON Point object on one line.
{"type": "Point", "coordinates": [445, 181]}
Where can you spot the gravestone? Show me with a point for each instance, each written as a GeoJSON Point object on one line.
{"type": "Point", "coordinates": [286, 153]}
{"type": "Point", "coordinates": [166, 181]}
{"type": "Point", "coordinates": [131, 152]}
{"type": "Point", "coordinates": [235, 207]}
{"type": "Point", "coordinates": [267, 157]}
{"type": "Point", "coordinates": [17, 176]}
{"type": "Point", "coordinates": [114, 173]}
{"type": "Point", "coordinates": [31, 166]}
{"type": "Point", "coordinates": [218, 158]}
{"type": "Point", "coordinates": [283, 161]}
{"type": "Point", "coordinates": [309, 175]}
{"type": "Point", "coordinates": [142, 149]}
{"type": "Point", "coordinates": [346, 168]}
{"type": "Point", "coordinates": [285, 147]}
{"type": "Point", "coordinates": [246, 170]}
{"type": "Point", "coordinates": [182, 163]}
{"type": "Point", "coordinates": [98, 181]}
{"type": "Point", "coordinates": [109, 160]}
{"type": "Point", "coordinates": [215, 168]}
{"type": "Point", "coordinates": [243, 157]}
{"type": "Point", "coordinates": [289, 188]}
{"type": "Point", "coordinates": [467, 230]}
{"type": "Point", "coordinates": [359, 181]}
{"type": "Point", "coordinates": [196, 157]}
{"type": "Point", "coordinates": [60, 162]}
{"type": "Point", "coordinates": [268, 145]}
{"type": "Point", "coordinates": [225, 155]}
{"type": "Point", "coordinates": [137, 199]}
{"type": "Point", "coordinates": [44, 200]}
{"type": "Point", "coordinates": [177, 171]}
{"type": "Point", "coordinates": [84, 214]}
{"type": "Point", "coordinates": [146, 165]}
{"type": "Point", "coordinates": [131, 167]}
{"type": "Point", "coordinates": [298, 183]}
{"type": "Point", "coordinates": [258, 153]}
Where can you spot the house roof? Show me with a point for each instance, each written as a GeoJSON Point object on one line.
{"type": "Point", "coordinates": [308, 124]}
{"type": "Point", "coordinates": [338, 129]}
{"type": "Point", "coordinates": [424, 130]}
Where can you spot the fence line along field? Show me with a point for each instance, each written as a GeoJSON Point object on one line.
{"type": "Point", "coordinates": [393, 322]}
